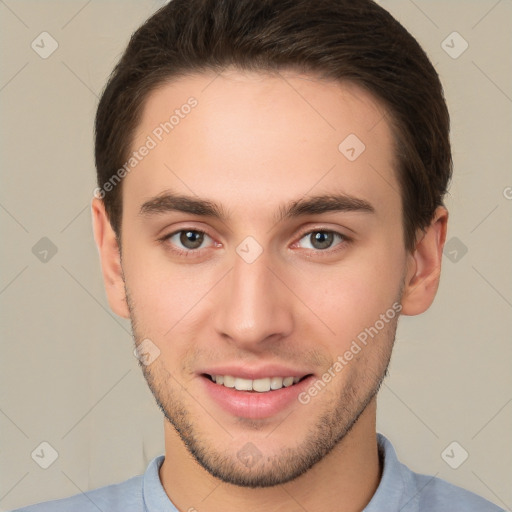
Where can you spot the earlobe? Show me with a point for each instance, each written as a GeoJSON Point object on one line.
{"type": "Point", "coordinates": [110, 258]}
{"type": "Point", "coordinates": [424, 266]}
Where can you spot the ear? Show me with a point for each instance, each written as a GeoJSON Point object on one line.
{"type": "Point", "coordinates": [110, 257]}
{"type": "Point", "coordinates": [424, 266]}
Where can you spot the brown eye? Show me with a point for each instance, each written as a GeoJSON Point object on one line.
{"type": "Point", "coordinates": [191, 239]}
{"type": "Point", "coordinates": [186, 240]}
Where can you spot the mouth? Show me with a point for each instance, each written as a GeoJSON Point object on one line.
{"type": "Point", "coordinates": [261, 385]}
{"type": "Point", "coordinates": [261, 398]}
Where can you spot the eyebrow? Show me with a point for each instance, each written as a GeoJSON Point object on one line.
{"type": "Point", "coordinates": [312, 205]}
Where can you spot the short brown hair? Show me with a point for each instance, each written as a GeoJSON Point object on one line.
{"type": "Point", "coordinates": [341, 40]}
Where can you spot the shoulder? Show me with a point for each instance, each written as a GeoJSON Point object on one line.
{"type": "Point", "coordinates": [123, 497]}
{"type": "Point", "coordinates": [408, 491]}
{"type": "Point", "coordinates": [439, 495]}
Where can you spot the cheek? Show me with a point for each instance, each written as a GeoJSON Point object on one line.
{"type": "Point", "coordinates": [158, 295]}
{"type": "Point", "coordinates": [350, 296]}
{"type": "Point", "coordinates": [168, 299]}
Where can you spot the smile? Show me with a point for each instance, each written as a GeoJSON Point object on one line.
{"type": "Point", "coordinates": [262, 385]}
{"type": "Point", "coordinates": [259, 398]}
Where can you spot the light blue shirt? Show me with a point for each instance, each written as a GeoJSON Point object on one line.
{"type": "Point", "coordinates": [399, 489]}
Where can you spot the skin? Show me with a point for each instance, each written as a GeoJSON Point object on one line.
{"type": "Point", "coordinates": [256, 142]}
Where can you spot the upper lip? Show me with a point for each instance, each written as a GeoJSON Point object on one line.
{"type": "Point", "coordinates": [260, 372]}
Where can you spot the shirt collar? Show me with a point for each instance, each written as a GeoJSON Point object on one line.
{"type": "Point", "coordinates": [153, 494]}
{"type": "Point", "coordinates": [396, 490]}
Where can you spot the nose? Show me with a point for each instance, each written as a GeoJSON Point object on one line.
{"type": "Point", "coordinates": [254, 307]}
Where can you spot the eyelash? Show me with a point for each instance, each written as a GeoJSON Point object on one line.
{"type": "Point", "coordinates": [345, 240]}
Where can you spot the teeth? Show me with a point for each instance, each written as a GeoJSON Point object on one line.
{"type": "Point", "coordinates": [229, 381]}
{"type": "Point", "coordinates": [288, 381]}
{"type": "Point", "coordinates": [276, 383]}
{"type": "Point", "coordinates": [259, 385]}
{"type": "Point", "coordinates": [243, 384]}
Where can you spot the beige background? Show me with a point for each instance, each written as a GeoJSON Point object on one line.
{"type": "Point", "coordinates": [68, 374]}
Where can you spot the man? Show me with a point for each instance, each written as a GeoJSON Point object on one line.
{"type": "Point", "coordinates": [270, 200]}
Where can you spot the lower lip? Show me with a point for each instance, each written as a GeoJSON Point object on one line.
{"type": "Point", "coordinates": [252, 404]}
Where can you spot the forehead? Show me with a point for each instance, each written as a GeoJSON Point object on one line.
{"type": "Point", "coordinates": [253, 139]}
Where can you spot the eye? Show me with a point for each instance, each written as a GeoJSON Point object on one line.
{"type": "Point", "coordinates": [186, 240]}
{"type": "Point", "coordinates": [321, 239]}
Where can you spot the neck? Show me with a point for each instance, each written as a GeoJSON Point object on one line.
{"type": "Point", "coordinates": [345, 479]}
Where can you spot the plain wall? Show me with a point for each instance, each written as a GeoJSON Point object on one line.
{"type": "Point", "coordinates": [68, 373]}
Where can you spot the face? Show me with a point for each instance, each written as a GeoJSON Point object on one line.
{"type": "Point", "coordinates": [262, 247]}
